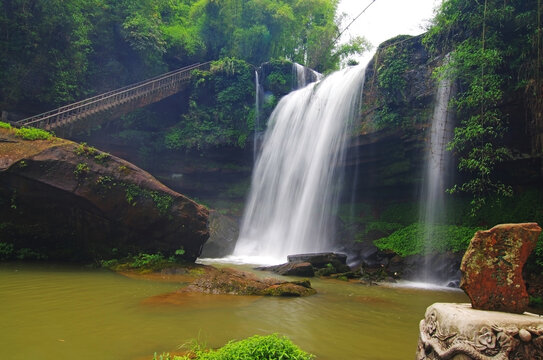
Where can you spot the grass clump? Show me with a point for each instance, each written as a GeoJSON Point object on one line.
{"type": "Point", "coordinates": [4, 125]}
{"type": "Point", "coordinates": [270, 347]}
{"type": "Point", "coordinates": [32, 134]}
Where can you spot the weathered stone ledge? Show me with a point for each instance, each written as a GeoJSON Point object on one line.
{"type": "Point", "coordinates": [456, 331]}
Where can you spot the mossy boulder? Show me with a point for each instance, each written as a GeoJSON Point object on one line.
{"type": "Point", "coordinates": [69, 201]}
{"type": "Point", "coordinates": [234, 282]}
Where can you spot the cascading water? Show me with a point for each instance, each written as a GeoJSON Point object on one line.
{"type": "Point", "coordinates": [295, 182]}
{"type": "Point", "coordinates": [438, 166]}
{"type": "Point", "coordinates": [257, 115]}
{"type": "Point", "coordinates": [302, 76]}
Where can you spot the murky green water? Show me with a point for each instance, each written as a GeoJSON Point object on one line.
{"type": "Point", "coordinates": [59, 312]}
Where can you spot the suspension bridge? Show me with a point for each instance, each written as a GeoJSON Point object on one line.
{"type": "Point", "coordinates": [113, 104]}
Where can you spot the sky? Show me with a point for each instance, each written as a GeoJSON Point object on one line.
{"type": "Point", "coordinates": [385, 19]}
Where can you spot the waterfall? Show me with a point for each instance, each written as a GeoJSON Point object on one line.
{"type": "Point", "coordinates": [438, 163]}
{"type": "Point", "coordinates": [257, 114]}
{"type": "Point", "coordinates": [295, 182]}
{"type": "Point", "coordinates": [302, 76]}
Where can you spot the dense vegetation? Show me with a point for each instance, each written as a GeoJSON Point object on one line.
{"type": "Point", "coordinates": [54, 52]}
{"type": "Point", "coordinates": [495, 54]}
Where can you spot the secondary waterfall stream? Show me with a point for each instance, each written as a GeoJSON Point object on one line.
{"type": "Point", "coordinates": [438, 164]}
{"type": "Point", "coordinates": [295, 183]}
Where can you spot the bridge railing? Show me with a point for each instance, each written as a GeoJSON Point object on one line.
{"type": "Point", "coordinates": [110, 99]}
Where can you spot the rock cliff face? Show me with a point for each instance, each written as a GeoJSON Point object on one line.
{"type": "Point", "coordinates": [72, 202]}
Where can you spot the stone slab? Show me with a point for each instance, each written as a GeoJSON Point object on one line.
{"type": "Point", "coordinates": [459, 332]}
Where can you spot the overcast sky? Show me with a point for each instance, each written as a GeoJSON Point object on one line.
{"type": "Point", "coordinates": [385, 19]}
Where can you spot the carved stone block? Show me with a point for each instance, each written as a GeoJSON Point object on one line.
{"type": "Point", "coordinates": [458, 332]}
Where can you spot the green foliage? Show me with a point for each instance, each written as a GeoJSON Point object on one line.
{"type": "Point", "coordinates": [147, 261]}
{"type": "Point", "coordinates": [32, 134]}
{"type": "Point", "coordinates": [58, 51]}
{"type": "Point", "coordinates": [81, 170]}
{"type": "Point", "coordinates": [133, 192]}
{"type": "Point", "coordinates": [425, 239]}
{"type": "Point", "coordinates": [102, 157]}
{"type": "Point", "coordinates": [4, 125]}
{"type": "Point", "coordinates": [495, 55]}
{"type": "Point", "coordinates": [144, 262]}
{"type": "Point", "coordinates": [392, 64]}
{"type": "Point", "coordinates": [391, 72]}
{"type": "Point", "coordinates": [404, 213]}
{"type": "Point", "coordinates": [219, 108]}
{"type": "Point", "coordinates": [257, 347]}
{"type": "Point", "coordinates": [29, 254]}
{"type": "Point", "coordinates": [6, 250]}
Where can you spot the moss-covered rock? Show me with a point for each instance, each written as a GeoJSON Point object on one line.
{"type": "Point", "coordinates": [233, 282]}
{"type": "Point", "coordinates": [70, 201]}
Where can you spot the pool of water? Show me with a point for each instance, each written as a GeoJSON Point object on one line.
{"type": "Point", "coordinates": [62, 312]}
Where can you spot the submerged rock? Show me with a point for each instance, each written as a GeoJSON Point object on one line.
{"type": "Point", "coordinates": [291, 269]}
{"type": "Point", "coordinates": [319, 260]}
{"type": "Point", "coordinates": [492, 267]}
{"type": "Point", "coordinates": [69, 201]}
{"type": "Point", "coordinates": [233, 282]}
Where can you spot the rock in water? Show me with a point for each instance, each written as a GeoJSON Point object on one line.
{"type": "Point", "coordinates": [291, 269]}
{"type": "Point", "coordinates": [73, 202]}
{"type": "Point", "coordinates": [492, 267]}
{"type": "Point", "coordinates": [234, 282]}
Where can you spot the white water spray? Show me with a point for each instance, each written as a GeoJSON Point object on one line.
{"type": "Point", "coordinates": [295, 183]}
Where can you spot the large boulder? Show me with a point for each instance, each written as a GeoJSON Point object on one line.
{"type": "Point", "coordinates": [69, 201]}
{"type": "Point", "coordinates": [492, 267]}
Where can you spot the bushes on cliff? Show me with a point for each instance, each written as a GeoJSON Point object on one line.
{"type": "Point", "coordinates": [220, 108]}
{"type": "Point", "coordinates": [495, 54]}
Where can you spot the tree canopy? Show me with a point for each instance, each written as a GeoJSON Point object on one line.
{"type": "Point", "coordinates": [55, 52]}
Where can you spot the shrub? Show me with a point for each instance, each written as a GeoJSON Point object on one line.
{"type": "Point", "coordinates": [6, 251]}
{"type": "Point", "coordinates": [4, 125]}
{"type": "Point", "coordinates": [32, 134]}
{"type": "Point", "coordinates": [81, 170]}
{"type": "Point", "coordinates": [270, 347]}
